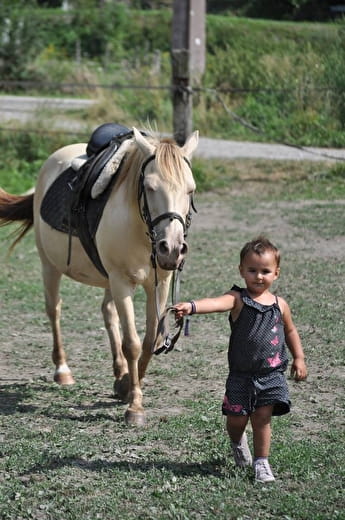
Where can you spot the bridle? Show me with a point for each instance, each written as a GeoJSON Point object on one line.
{"type": "Point", "coordinates": [145, 214]}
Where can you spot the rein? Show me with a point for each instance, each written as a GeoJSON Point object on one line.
{"type": "Point", "coordinates": [145, 214]}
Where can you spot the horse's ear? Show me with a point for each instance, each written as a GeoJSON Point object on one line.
{"type": "Point", "coordinates": [145, 146]}
{"type": "Point", "coordinates": [190, 145]}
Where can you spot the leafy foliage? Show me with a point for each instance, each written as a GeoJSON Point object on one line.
{"type": "Point", "coordinates": [286, 79]}
{"type": "Point", "coordinates": [20, 39]}
{"type": "Point", "coordinates": [276, 9]}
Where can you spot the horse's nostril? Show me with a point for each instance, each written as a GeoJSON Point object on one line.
{"type": "Point", "coordinates": [163, 247]}
{"type": "Point", "coordinates": [184, 248]}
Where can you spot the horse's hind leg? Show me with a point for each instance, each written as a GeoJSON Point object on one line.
{"type": "Point", "coordinates": [120, 365]}
{"type": "Point", "coordinates": [51, 280]}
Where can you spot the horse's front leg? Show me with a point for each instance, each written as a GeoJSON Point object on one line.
{"type": "Point", "coordinates": [120, 366]}
{"type": "Point", "coordinates": [51, 280]}
{"type": "Point", "coordinates": [154, 299]}
{"type": "Point", "coordinates": [122, 293]}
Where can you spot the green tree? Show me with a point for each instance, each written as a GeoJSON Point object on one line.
{"type": "Point", "coordinates": [20, 38]}
{"type": "Point", "coordinates": [275, 9]}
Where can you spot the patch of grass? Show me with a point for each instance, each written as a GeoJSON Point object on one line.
{"type": "Point", "coordinates": [66, 452]}
{"type": "Point", "coordinates": [332, 215]}
{"type": "Point", "coordinates": [176, 468]}
{"type": "Point", "coordinates": [286, 180]}
{"type": "Point", "coordinates": [24, 154]}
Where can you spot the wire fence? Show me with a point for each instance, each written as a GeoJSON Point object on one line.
{"type": "Point", "coordinates": [63, 103]}
{"type": "Point", "coordinates": [42, 85]}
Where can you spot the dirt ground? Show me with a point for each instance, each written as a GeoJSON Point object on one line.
{"type": "Point", "coordinates": [26, 340]}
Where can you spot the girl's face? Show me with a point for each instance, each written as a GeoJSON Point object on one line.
{"type": "Point", "coordinates": [259, 271]}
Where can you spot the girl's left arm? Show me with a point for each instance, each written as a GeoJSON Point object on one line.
{"type": "Point", "coordinates": [293, 341]}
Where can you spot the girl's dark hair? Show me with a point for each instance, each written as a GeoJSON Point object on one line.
{"type": "Point", "coordinates": [259, 246]}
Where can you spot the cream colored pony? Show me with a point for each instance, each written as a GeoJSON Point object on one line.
{"type": "Point", "coordinates": [135, 233]}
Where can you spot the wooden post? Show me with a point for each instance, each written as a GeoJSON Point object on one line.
{"type": "Point", "coordinates": [188, 61]}
{"type": "Point", "coordinates": [197, 39]}
{"type": "Point", "coordinates": [181, 96]}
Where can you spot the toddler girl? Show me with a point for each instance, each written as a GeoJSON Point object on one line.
{"type": "Point", "coordinates": [261, 325]}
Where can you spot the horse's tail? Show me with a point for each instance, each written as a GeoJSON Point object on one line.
{"type": "Point", "coordinates": [17, 208]}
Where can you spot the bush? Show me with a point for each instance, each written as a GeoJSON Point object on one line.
{"type": "Point", "coordinates": [23, 154]}
{"type": "Point", "coordinates": [335, 72]}
{"type": "Point", "coordinates": [20, 40]}
{"type": "Point", "coordinates": [288, 79]}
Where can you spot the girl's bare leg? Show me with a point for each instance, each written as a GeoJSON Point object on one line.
{"type": "Point", "coordinates": [261, 424]}
{"type": "Point", "coordinates": [235, 425]}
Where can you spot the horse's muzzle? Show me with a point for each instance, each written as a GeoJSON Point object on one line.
{"type": "Point", "coordinates": [170, 257]}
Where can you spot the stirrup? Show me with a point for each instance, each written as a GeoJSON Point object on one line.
{"type": "Point", "coordinates": [163, 332]}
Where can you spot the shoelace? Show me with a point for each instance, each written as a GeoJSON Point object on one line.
{"type": "Point", "coordinates": [263, 467]}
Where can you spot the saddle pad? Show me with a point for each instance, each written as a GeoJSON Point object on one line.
{"type": "Point", "coordinates": [57, 204]}
{"type": "Point", "coordinates": [58, 211]}
{"type": "Point", "coordinates": [68, 205]}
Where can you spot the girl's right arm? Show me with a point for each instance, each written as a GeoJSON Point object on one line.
{"type": "Point", "coordinates": [225, 302]}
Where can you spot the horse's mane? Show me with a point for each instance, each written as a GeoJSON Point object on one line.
{"type": "Point", "coordinates": [169, 159]}
{"type": "Point", "coordinates": [170, 162]}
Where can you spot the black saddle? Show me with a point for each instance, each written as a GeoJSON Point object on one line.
{"type": "Point", "coordinates": [68, 207]}
{"type": "Point", "coordinates": [104, 134]}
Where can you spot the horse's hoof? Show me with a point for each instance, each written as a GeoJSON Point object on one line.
{"type": "Point", "coordinates": [64, 379]}
{"type": "Point", "coordinates": [135, 418]}
{"type": "Point", "coordinates": [121, 388]}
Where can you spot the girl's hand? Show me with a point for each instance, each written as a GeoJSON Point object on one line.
{"type": "Point", "coordinates": [183, 308]}
{"type": "Point", "coordinates": [299, 369]}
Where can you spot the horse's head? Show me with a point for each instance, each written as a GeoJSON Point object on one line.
{"type": "Point", "coordinates": [166, 188]}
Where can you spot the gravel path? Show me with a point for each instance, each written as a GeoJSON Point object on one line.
{"type": "Point", "coordinates": [23, 108]}
{"type": "Point", "coordinates": [222, 149]}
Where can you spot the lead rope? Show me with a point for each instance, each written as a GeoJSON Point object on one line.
{"type": "Point", "coordinates": [176, 295]}
{"type": "Point", "coordinates": [154, 265]}
{"type": "Point", "coordinates": [177, 272]}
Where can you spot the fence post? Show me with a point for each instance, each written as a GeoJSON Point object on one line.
{"type": "Point", "coordinates": [188, 61]}
{"type": "Point", "coordinates": [180, 56]}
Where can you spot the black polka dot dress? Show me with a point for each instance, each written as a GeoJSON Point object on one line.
{"type": "Point", "coordinates": [257, 341]}
{"type": "Point", "coordinates": [257, 359]}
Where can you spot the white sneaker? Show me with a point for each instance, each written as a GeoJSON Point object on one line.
{"type": "Point", "coordinates": [241, 452]}
{"type": "Point", "coordinates": [262, 471]}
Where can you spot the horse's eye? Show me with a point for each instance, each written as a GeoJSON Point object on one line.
{"type": "Point", "coordinates": [190, 186]}
{"type": "Point", "coordinates": [150, 188]}
{"type": "Point", "coordinates": [151, 183]}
